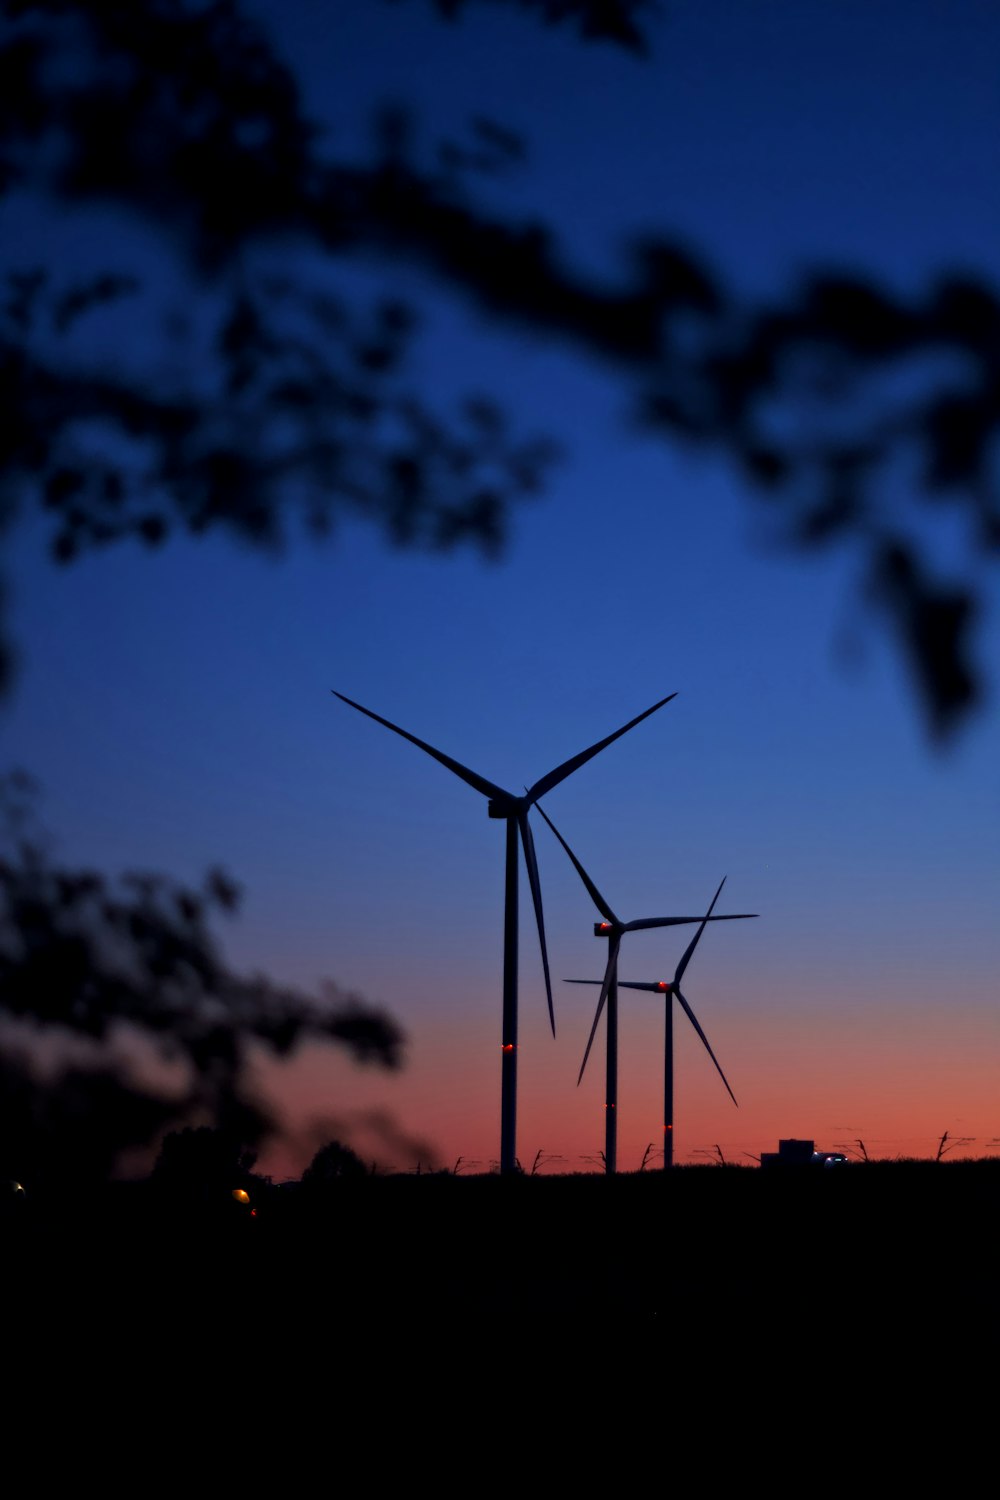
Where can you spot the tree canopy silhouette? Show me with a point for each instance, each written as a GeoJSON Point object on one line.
{"type": "Point", "coordinates": [185, 115]}
{"type": "Point", "coordinates": [331, 1163]}
{"type": "Point", "coordinates": [204, 1162]}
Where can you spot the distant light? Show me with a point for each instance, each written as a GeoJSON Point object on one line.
{"type": "Point", "coordinates": [663, 985]}
{"type": "Point", "coordinates": [507, 1047]}
{"type": "Point", "coordinates": [241, 1195]}
{"type": "Point", "coordinates": [605, 926]}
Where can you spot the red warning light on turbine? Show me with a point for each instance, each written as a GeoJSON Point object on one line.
{"type": "Point", "coordinates": [663, 985]}
{"type": "Point", "coordinates": [507, 1047]}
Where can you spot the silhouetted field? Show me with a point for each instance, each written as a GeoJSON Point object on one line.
{"type": "Point", "coordinates": [707, 1258]}
{"type": "Point", "coordinates": [768, 1322]}
{"type": "Point", "coordinates": [812, 1327]}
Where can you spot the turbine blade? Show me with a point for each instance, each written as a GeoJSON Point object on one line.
{"type": "Point", "coordinates": [692, 945]}
{"type": "Point", "coordinates": [528, 841]}
{"type": "Point", "coordinates": [694, 1022]}
{"type": "Point", "coordinates": [609, 974]}
{"type": "Point", "coordinates": [623, 984]}
{"type": "Point", "coordinates": [488, 788]}
{"type": "Point", "coordinates": [595, 895]}
{"type": "Point", "coordinates": [642, 923]}
{"type": "Point", "coordinates": [569, 766]}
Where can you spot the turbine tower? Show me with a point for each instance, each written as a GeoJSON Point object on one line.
{"type": "Point", "coordinates": [613, 928]}
{"type": "Point", "coordinates": [671, 988]}
{"type": "Point", "coordinates": [514, 810]}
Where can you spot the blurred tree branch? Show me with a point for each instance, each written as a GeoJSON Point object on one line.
{"type": "Point", "coordinates": [304, 405]}
{"type": "Point", "coordinates": [95, 960]}
{"type": "Point", "coordinates": [616, 21]}
{"type": "Point", "coordinates": [184, 114]}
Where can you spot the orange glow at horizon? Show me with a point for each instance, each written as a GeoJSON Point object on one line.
{"type": "Point", "coordinates": [815, 1065]}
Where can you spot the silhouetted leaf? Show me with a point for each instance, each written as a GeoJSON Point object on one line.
{"type": "Point", "coordinates": [934, 624]}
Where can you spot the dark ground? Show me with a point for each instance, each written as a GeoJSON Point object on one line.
{"type": "Point", "coordinates": [713, 1301]}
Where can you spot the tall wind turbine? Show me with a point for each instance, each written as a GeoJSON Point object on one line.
{"type": "Point", "coordinates": [614, 929]}
{"type": "Point", "coordinates": [671, 988]}
{"type": "Point", "coordinates": [514, 810]}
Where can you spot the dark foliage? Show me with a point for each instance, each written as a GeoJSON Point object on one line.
{"type": "Point", "coordinates": [203, 1160]}
{"type": "Point", "coordinates": [184, 115]}
{"type": "Point", "coordinates": [116, 963]}
{"type": "Point", "coordinates": [332, 1163]}
{"type": "Point", "coordinates": [616, 21]}
{"type": "Point", "coordinates": [67, 1128]}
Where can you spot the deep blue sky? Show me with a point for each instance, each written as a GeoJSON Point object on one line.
{"type": "Point", "coordinates": [177, 706]}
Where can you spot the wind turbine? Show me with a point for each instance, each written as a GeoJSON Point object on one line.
{"type": "Point", "coordinates": [514, 810]}
{"type": "Point", "coordinates": [614, 929]}
{"type": "Point", "coordinates": [671, 988]}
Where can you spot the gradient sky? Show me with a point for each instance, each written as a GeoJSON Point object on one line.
{"type": "Point", "coordinates": [177, 707]}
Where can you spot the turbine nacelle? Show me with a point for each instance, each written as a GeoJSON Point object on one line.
{"type": "Point", "coordinates": [506, 807]}
{"type": "Point", "coordinates": [604, 929]}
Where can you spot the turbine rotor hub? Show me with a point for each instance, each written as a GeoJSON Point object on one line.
{"type": "Point", "coordinates": [506, 807]}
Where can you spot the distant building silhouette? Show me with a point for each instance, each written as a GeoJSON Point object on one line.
{"type": "Point", "coordinates": [794, 1153]}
